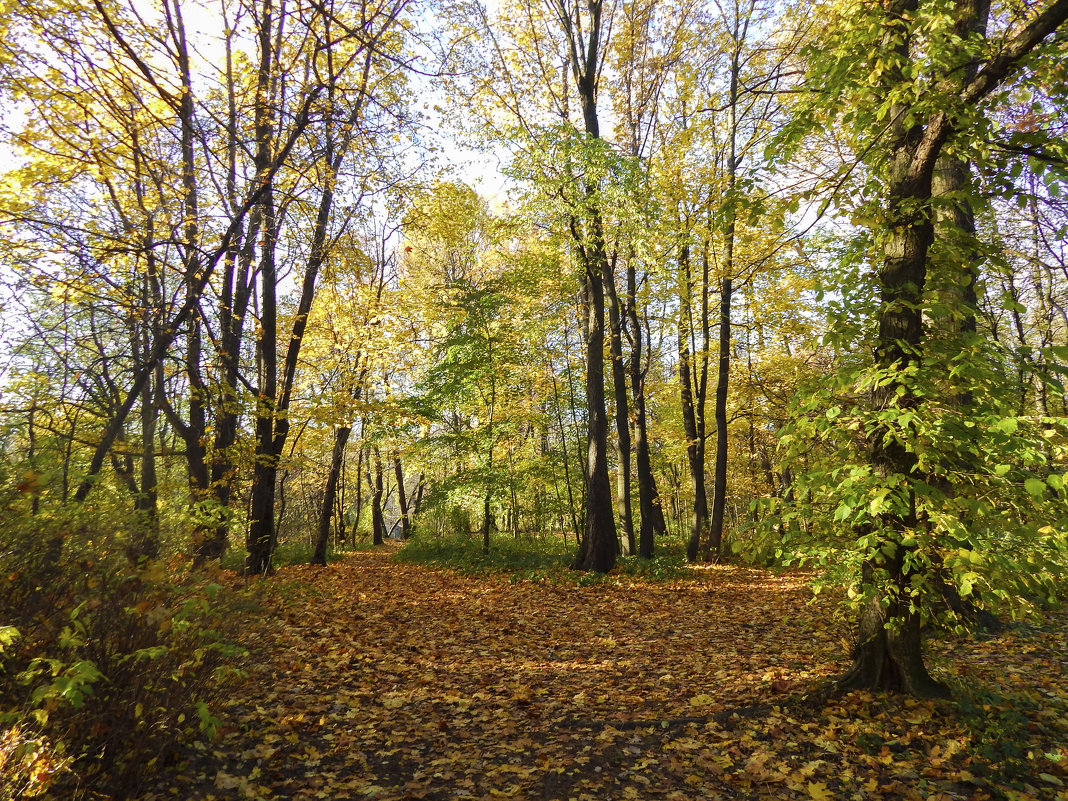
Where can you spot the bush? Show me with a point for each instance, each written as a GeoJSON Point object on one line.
{"type": "Point", "coordinates": [106, 667]}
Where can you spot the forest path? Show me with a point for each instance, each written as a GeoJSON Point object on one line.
{"type": "Point", "coordinates": [381, 680]}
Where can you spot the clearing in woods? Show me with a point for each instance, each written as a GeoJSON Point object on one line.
{"type": "Point", "coordinates": [373, 679]}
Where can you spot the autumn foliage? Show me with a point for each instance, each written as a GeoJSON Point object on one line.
{"type": "Point", "coordinates": [376, 679]}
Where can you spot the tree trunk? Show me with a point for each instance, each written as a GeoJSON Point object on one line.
{"type": "Point", "coordinates": [652, 517]}
{"type": "Point", "coordinates": [891, 657]}
{"type": "Point", "coordinates": [719, 484]}
{"type": "Point", "coordinates": [888, 653]}
{"type": "Point", "coordinates": [693, 418]}
{"type": "Point", "coordinates": [233, 310]}
{"type": "Point", "coordinates": [193, 432]}
{"type": "Point", "coordinates": [359, 491]}
{"type": "Point", "coordinates": [337, 458]}
{"type": "Point", "coordinates": [599, 546]}
{"type": "Point", "coordinates": [378, 520]}
{"type": "Point", "coordinates": [148, 498]}
{"type": "Point", "coordinates": [619, 386]}
{"type": "Point", "coordinates": [261, 533]}
{"type": "Point", "coordinates": [402, 499]}
{"type": "Point", "coordinates": [420, 488]}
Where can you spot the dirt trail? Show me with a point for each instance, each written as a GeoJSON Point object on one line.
{"type": "Point", "coordinates": [391, 681]}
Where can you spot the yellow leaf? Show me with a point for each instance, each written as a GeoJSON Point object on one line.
{"type": "Point", "coordinates": [818, 791]}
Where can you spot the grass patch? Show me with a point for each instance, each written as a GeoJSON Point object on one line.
{"type": "Point", "coordinates": [526, 557]}
{"type": "Point", "coordinates": [545, 558]}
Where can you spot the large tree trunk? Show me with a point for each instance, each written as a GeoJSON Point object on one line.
{"type": "Point", "coordinates": [599, 546]}
{"type": "Point", "coordinates": [890, 657]}
{"type": "Point", "coordinates": [888, 654]}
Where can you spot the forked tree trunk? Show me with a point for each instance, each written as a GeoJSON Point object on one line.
{"type": "Point", "coordinates": [599, 546]}
{"type": "Point", "coordinates": [692, 397]}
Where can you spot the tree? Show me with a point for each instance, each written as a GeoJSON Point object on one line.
{"type": "Point", "coordinates": [351, 64]}
{"type": "Point", "coordinates": [904, 524]}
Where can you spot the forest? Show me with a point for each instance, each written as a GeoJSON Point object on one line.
{"type": "Point", "coordinates": [718, 313]}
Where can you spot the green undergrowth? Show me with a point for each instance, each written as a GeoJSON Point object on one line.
{"type": "Point", "coordinates": [108, 664]}
{"type": "Point", "coordinates": [532, 558]}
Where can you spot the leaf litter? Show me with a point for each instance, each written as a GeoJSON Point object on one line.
{"type": "Point", "coordinates": [373, 679]}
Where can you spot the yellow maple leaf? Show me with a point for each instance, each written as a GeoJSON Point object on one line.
{"type": "Point", "coordinates": [818, 791]}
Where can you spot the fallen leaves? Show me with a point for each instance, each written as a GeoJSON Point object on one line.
{"type": "Point", "coordinates": [386, 681]}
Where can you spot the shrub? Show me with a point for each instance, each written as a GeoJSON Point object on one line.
{"type": "Point", "coordinates": [106, 666]}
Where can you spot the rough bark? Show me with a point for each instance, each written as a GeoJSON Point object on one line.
{"type": "Point", "coordinates": [599, 546]}
{"type": "Point", "coordinates": [888, 653]}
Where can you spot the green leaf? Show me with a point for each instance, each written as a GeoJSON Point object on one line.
{"type": "Point", "coordinates": [967, 581]}
{"type": "Point", "coordinates": [1007, 425]}
{"type": "Point", "coordinates": [878, 502]}
{"type": "Point", "coordinates": [1035, 487]}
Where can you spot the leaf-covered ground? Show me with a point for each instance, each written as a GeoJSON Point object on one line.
{"type": "Point", "coordinates": [379, 680]}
